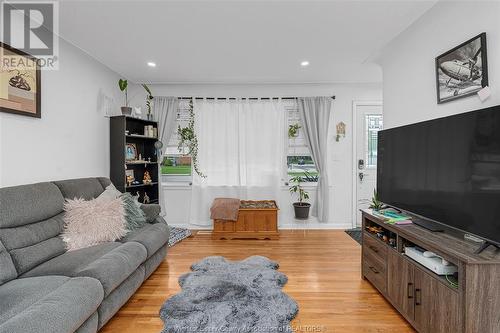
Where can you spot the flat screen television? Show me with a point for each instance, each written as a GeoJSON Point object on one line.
{"type": "Point", "coordinates": [446, 170]}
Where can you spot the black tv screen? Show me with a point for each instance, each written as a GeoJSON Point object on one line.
{"type": "Point", "coordinates": [446, 170]}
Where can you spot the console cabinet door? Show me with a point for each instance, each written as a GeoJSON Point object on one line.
{"type": "Point", "coordinates": [400, 286]}
{"type": "Point", "coordinates": [436, 305]}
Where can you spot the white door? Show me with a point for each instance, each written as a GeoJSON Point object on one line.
{"type": "Point", "coordinates": [367, 122]}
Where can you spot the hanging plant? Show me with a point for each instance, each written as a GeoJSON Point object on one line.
{"type": "Point", "coordinates": [149, 98]}
{"type": "Point", "coordinates": [293, 130]}
{"type": "Point", "coordinates": [188, 139]}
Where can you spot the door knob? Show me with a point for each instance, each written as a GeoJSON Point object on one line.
{"type": "Point", "coordinates": [361, 176]}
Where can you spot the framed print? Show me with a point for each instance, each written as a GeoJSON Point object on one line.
{"type": "Point", "coordinates": [20, 83]}
{"type": "Point", "coordinates": [130, 152]}
{"type": "Point", "coordinates": [130, 173]}
{"type": "Point", "coordinates": [463, 70]}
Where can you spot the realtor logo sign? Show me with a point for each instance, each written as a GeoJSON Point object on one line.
{"type": "Point", "coordinates": [31, 27]}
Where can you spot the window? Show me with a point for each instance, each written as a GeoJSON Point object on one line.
{"type": "Point", "coordinates": [176, 166]}
{"type": "Point", "coordinates": [299, 160]}
{"type": "Point", "coordinates": [374, 124]}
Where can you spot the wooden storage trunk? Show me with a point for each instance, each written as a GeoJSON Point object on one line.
{"type": "Point", "coordinates": [256, 219]}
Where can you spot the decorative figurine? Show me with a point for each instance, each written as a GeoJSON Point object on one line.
{"type": "Point", "coordinates": [147, 178]}
{"type": "Point", "coordinates": [145, 200]}
{"type": "Point", "coordinates": [340, 131]}
{"type": "Point", "coordinates": [130, 179]}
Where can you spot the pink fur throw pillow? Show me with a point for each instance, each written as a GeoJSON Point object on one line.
{"type": "Point", "coordinates": [93, 222]}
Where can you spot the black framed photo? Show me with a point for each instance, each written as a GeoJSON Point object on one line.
{"type": "Point", "coordinates": [20, 82]}
{"type": "Point", "coordinates": [463, 70]}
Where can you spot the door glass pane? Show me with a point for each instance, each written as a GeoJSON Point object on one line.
{"type": "Point", "coordinates": [374, 124]}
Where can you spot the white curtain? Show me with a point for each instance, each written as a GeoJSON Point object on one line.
{"type": "Point", "coordinates": [315, 117]}
{"type": "Point", "coordinates": [165, 112]}
{"type": "Point", "coordinates": [240, 150]}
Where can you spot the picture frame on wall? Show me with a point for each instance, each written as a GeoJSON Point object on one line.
{"type": "Point", "coordinates": [130, 152]}
{"type": "Point", "coordinates": [463, 70]}
{"type": "Point", "coordinates": [20, 82]}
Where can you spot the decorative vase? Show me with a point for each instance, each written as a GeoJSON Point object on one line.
{"type": "Point", "coordinates": [126, 110]}
{"type": "Point", "coordinates": [301, 210]}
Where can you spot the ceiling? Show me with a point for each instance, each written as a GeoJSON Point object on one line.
{"type": "Point", "coordinates": [238, 41]}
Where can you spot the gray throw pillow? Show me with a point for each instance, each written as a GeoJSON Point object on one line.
{"type": "Point", "coordinates": [110, 193]}
{"type": "Point", "coordinates": [152, 211]}
{"type": "Point", "coordinates": [134, 216]}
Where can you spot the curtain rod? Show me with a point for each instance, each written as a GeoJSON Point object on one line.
{"type": "Point", "coordinates": [250, 98]}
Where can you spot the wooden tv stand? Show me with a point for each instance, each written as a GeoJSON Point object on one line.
{"type": "Point", "coordinates": [427, 300]}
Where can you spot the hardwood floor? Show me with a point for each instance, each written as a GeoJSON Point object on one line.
{"type": "Point", "coordinates": [323, 268]}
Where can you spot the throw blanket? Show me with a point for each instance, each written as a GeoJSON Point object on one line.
{"type": "Point", "coordinates": [225, 209]}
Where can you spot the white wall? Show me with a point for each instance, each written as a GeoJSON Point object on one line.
{"type": "Point", "coordinates": [408, 61]}
{"type": "Point", "coordinates": [340, 153]}
{"type": "Point", "coordinates": [71, 139]}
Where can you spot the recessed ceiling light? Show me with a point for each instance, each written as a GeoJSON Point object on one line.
{"type": "Point", "coordinates": [151, 64]}
{"type": "Point", "coordinates": [304, 63]}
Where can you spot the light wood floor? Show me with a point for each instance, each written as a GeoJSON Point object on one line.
{"type": "Point", "coordinates": [323, 268]}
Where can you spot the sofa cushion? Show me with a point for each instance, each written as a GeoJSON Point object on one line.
{"type": "Point", "coordinates": [69, 263]}
{"type": "Point", "coordinates": [25, 204]}
{"type": "Point", "coordinates": [32, 244]}
{"type": "Point", "coordinates": [48, 304]}
{"type": "Point", "coordinates": [152, 211]}
{"type": "Point", "coordinates": [105, 182]}
{"type": "Point", "coordinates": [152, 236]}
{"type": "Point", "coordinates": [86, 188]}
{"type": "Point", "coordinates": [7, 268]}
{"type": "Point", "coordinates": [110, 263]}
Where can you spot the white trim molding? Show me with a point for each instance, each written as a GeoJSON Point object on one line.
{"type": "Point", "coordinates": [355, 105]}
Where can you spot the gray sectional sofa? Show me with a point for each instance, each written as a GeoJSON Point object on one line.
{"type": "Point", "coordinates": [43, 288]}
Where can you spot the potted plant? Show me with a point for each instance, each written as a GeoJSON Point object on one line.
{"type": "Point", "coordinates": [149, 98]}
{"type": "Point", "coordinates": [293, 130]}
{"type": "Point", "coordinates": [189, 139]}
{"type": "Point", "coordinates": [123, 84]}
{"type": "Point", "coordinates": [376, 204]}
{"type": "Point", "coordinates": [301, 208]}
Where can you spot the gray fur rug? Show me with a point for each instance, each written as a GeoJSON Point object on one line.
{"type": "Point", "coordinates": [224, 296]}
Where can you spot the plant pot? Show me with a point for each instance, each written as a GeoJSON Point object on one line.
{"type": "Point", "coordinates": [301, 210]}
{"type": "Point", "coordinates": [126, 110]}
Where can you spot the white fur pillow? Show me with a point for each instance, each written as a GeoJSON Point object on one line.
{"type": "Point", "coordinates": [93, 222]}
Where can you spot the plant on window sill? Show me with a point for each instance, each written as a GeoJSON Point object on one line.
{"type": "Point", "coordinates": [189, 139]}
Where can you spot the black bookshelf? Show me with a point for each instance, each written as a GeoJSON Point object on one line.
{"type": "Point", "coordinates": [118, 138]}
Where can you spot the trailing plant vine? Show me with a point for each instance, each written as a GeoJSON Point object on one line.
{"type": "Point", "coordinates": [188, 139]}
{"type": "Point", "coordinates": [149, 98]}
{"type": "Point", "coordinates": [293, 130]}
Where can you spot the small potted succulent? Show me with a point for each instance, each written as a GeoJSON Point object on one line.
{"type": "Point", "coordinates": [123, 84]}
{"type": "Point", "coordinates": [301, 207]}
{"type": "Point", "coordinates": [375, 203]}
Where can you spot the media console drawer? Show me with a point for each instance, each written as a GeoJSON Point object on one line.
{"type": "Point", "coordinates": [374, 246]}
{"type": "Point", "coordinates": [375, 270]}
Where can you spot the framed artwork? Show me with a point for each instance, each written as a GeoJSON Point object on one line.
{"type": "Point", "coordinates": [130, 173]}
{"type": "Point", "coordinates": [20, 83]}
{"type": "Point", "coordinates": [463, 70]}
{"type": "Point", "coordinates": [130, 152]}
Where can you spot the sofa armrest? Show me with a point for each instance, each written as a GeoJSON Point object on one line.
{"type": "Point", "coordinates": [152, 211]}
